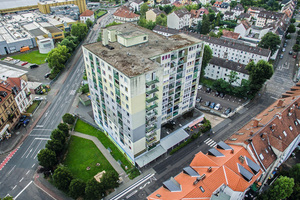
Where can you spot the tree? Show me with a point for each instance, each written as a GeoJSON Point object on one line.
{"type": "Point", "coordinates": [270, 41]}
{"type": "Point", "coordinates": [47, 158]}
{"type": "Point", "coordinates": [233, 4]}
{"type": "Point", "coordinates": [260, 72]}
{"type": "Point", "coordinates": [77, 188]}
{"type": "Point", "coordinates": [198, 27]}
{"type": "Point", "coordinates": [144, 9]}
{"type": "Point", "coordinates": [205, 25]}
{"type": "Point", "coordinates": [64, 128]}
{"type": "Point", "coordinates": [62, 178]}
{"type": "Point", "coordinates": [69, 44]}
{"type": "Point", "coordinates": [161, 20]}
{"type": "Point", "coordinates": [79, 30]}
{"type": "Point", "coordinates": [167, 9]}
{"type": "Point", "coordinates": [110, 180]}
{"type": "Point", "coordinates": [68, 118]}
{"type": "Point", "coordinates": [84, 89]}
{"type": "Point", "coordinates": [207, 55]}
{"type": "Point", "coordinates": [57, 57]}
{"type": "Point", "coordinates": [291, 29]}
{"type": "Point", "coordinates": [8, 198]}
{"type": "Point", "coordinates": [55, 145]}
{"type": "Point", "coordinates": [296, 47]}
{"type": "Point", "coordinates": [89, 23]}
{"type": "Point", "coordinates": [93, 190]}
{"type": "Point", "coordinates": [282, 188]}
{"type": "Point", "coordinates": [293, 20]}
{"type": "Point", "coordinates": [57, 134]}
{"type": "Point", "coordinates": [233, 77]}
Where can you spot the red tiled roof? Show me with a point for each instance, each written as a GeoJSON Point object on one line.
{"type": "Point", "coordinates": [125, 12]}
{"type": "Point", "coordinates": [5, 90]}
{"type": "Point", "coordinates": [224, 171]}
{"type": "Point", "coordinates": [230, 34]}
{"type": "Point", "coordinates": [87, 13]}
{"type": "Point", "coordinates": [11, 82]}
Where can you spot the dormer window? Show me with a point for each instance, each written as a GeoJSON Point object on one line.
{"type": "Point", "coordinates": [291, 128]}
{"type": "Point", "coordinates": [284, 133]}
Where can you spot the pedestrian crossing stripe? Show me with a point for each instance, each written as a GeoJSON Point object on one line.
{"type": "Point", "coordinates": [210, 142]}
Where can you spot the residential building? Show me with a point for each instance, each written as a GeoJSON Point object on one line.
{"type": "Point", "coordinates": [254, 11]}
{"type": "Point", "coordinates": [225, 48]}
{"type": "Point", "coordinates": [165, 2]}
{"type": "Point", "coordinates": [20, 91]}
{"type": "Point", "coordinates": [203, 2]}
{"type": "Point", "coordinates": [138, 80]}
{"type": "Point", "coordinates": [238, 10]}
{"type": "Point", "coordinates": [287, 4]}
{"type": "Point", "coordinates": [124, 14]}
{"type": "Point", "coordinates": [135, 5]}
{"type": "Point", "coordinates": [219, 68]}
{"type": "Point", "coordinates": [222, 6]}
{"type": "Point", "coordinates": [197, 15]}
{"type": "Point", "coordinates": [179, 19]}
{"type": "Point", "coordinates": [243, 28]}
{"type": "Point", "coordinates": [244, 16]}
{"type": "Point", "coordinates": [272, 135]}
{"type": "Point", "coordinates": [45, 6]}
{"type": "Point", "coordinates": [225, 172]}
{"type": "Point", "coordinates": [267, 17]}
{"type": "Point", "coordinates": [230, 34]}
{"type": "Point", "coordinates": [153, 13]}
{"type": "Point", "coordinates": [7, 71]}
{"type": "Point", "coordinates": [88, 14]}
{"type": "Point", "coordinates": [228, 15]}
{"type": "Point", "coordinates": [9, 113]}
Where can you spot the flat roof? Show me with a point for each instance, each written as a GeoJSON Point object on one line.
{"type": "Point", "coordinates": [53, 29]}
{"type": "Point", "coordinates": [135, 60]}
{"type": "Point", "coordinates": [6, 71]}
{"type": "Point", "coordinates": [5, 4]}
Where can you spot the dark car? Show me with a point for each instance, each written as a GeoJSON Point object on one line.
{"type": "Point", "coordinates": [207, 103]}
{"type": "Point", "coordinates": [18, 125]}
{"type": "Point", "coordinates": [227, 111]}
{"type": "Point", "coordinates": [47, 75]}
{"type": "Point", "coordinates": [291, 52]}
{"type": "Point", "coordinates": [217, 93]}
{"type": "Point", "coordinates": [22, 118]}
{"type": "Point", "coordinates": [208, 90]}
{"type": "Point", "coordinates": [222, 95]}
{"type": "Point", "coordinates": [281, 56]}
{"type": "Point", "coordinates": [33, 66]}
{"type": "Point", "coordinates": [25, 122]}
{"type": "Point", "coordinates": [212, 105]}
{"type": "Point", "coordinates": [285, 44]}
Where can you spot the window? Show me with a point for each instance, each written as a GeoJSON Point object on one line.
{"type": "Point", "coordinates": [145, 38]}
{"type": "Point", "coordinates": [126, 98]}
{"type": "Point", "coordinates": [291, 128]}
{"type": "Point", "coordinates": [284, 133]}
{"type": "Point", "coordinates": [127, 106]}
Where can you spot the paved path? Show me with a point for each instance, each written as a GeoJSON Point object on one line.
{"type": "Point", "coordinates": [105, 152]}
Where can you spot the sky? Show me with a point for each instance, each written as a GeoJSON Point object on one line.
{"type": "Point", "coordinates": [4, 4]}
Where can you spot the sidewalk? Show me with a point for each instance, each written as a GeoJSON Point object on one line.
{"type": "Point", "coordinates": [106, 154]}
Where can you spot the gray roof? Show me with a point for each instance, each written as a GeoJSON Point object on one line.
{"type": "Point", "coordinates": [157, 11]}
{"type": "Point", "coordinates": [218, 41]}
{"type": "Point", "coordinates": [228, 64]}
{"type": "Point", "coordinates": [228, 13]}
{"type": "Point", "coordinates": [137, 1]}
{"type": "Point", "coordinates": [243, 15]}
{"type": "Point", "coordinates": [245, 173]}
{"type": "Point", "coordinates": [215, 152]}
{"type": "Point", "coordinates": [270, 15]}
{"type": "Point", "coordinates": [180, 13]}
{"type": "Point", "coordinates": [253, 166]}
{"type": "Point", "coordinates": [191, 172]}
{"type": "Point", "coordinates": [223, 145]}
{"type": "Point", "coordinates": [172, 185]}
{"type": "Point", "coordinates": [36, 32]}
{"type": "Point", "coordinates": [238, 7]}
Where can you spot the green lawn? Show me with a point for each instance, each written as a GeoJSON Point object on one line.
{"type": "Point", "coordinates": [32, 107]}
{"type": "Point", "coordinates": [83, 153]}
{"type": "Point", "coordinates": [32, 57]}
{"type": "Point", "coordinates": [99, 13]}
{"type": "Point", "coordinates": [207, 82]}
{"type": "Point", "coordinates": [85, 128]}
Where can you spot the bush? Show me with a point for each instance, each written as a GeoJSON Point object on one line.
{"type": "Point", "coordinates": [68, 118]}
{"type": "Point", "coordinates": [64, 128]}
{"type": "Point", "coordinates": [134, 172]}
{"type": "Point", "coordinates": [288, 37]}
{"type": "Point", "coordinates": [62, 178]}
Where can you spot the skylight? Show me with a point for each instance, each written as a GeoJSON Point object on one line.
{"type": "Point", "coordinates": [172, 185]}
{"type": "Point", "coordinates": [245, 173]}
{"type": "Point", "coordinates": [252, 165]}
{"type": "Point", "coordinates": [190, 171]}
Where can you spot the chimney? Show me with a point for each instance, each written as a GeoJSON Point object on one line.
{"type": "Point", "coordinates": [255, 123]}
{"type": "Point", "coordinates": [241, 158]}
{"type": "Point", "coordinates": [232, 151]}
{"type": "Point", "coordinates": [280, 103]}
{"type": "Point", "coordinates": [209, 169]}
{"type": "Point", "coordinates": [251, 133]}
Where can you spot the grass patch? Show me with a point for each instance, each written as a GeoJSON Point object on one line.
{"type": "Point", "coordinates": [32, 57]}
{"type": "Point", "coordinates": [100, 13]}
{"type": "Point", "coordinates": [85, 128]}
{"type": "Point", "coordinates": [31, 108]}
{"type": "Point", "coordinates": [207, 82]}
{"type": "Point", "coordinates": [83, 153]}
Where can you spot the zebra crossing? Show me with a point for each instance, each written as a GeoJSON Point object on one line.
{"type": "Point", "coordinates": [210, 142]}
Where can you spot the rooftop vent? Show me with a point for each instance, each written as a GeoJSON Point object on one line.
{"type": "Point", "coordinates": [209, 169]}
{"type": "Point", "coordinates": [242, 159]}
{"type": "Point", "coordinates": [3, 93]}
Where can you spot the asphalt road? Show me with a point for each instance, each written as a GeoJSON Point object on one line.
{"type": "Point", "coordinates": [16, 177]}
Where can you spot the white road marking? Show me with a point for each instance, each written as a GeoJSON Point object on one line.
{"type": "Point", "coordinates": [39, 126]}
{"type": "Point", "coordinates": [27, 149]}
{"type": "Point", "coordinates": [44, 191]}
{"type": "Point", "coordinates": [36, 148]}
{"type": "Point", "coordinates": [36, 154]}
{"type": "Point", "coordinates": [41, 135]}
{"type": "Point", "coordinates": [42, 138]}
{"type": "Point", "coordinates": [14, 187]}
{"type": "Point", "coordinates": [32, 165]}
{"type": "Point", "coordinates": [21, 179]}
{"type": "Point", "coordinates": [42, 129]}
{"type": "Point", "coordinates": [274, 97]}
{"type": "Point", "coordinates": [23, 190]}
{"type": "Point", "coordinates": [11, 170]}
{"type": "Point", "coordinates": [27, 172]}
{"type": "Point", "coordinates": [29, 153]}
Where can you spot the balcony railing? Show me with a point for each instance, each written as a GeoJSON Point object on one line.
{"type": "Point", "coordinates": [152, 82]}
{"type": "Point", "coordinates": [149, 100]}
{"type": "Point", "coordinates": [150, 134]}
{"type": "Point", "coordinates": [180, 62]}
{"type": "Point", "coordinates": [98, 70]}
{"type": "Point", "coordinates": [152, 91]}
{"type": "Point", "coordinates": [173, 57]}
{"type": "Point", "coordinates": [150, 114]}
{"type": "Point", "coordinates": [180, 55]}
{"type": "Point", "coordinates": [148, 108]}
{"type": "Point", "coordinates": [151, 128]}
{"type": "Point", "coordinates": [179, 76]}
{"type": "Point", "coordinates": [179, 70]}
{"type": "Point", "coordinates": [177, 95]}
{"type": "Point", "coordinates": [116, 76]}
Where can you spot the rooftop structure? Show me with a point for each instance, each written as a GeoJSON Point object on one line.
{"type": "Point", "coordinates": [45, 6]}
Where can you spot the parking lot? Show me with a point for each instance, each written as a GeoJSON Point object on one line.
{"type": "Point", "coordinates": [207, 98]}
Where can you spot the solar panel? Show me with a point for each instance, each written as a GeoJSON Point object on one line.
{"type": "Point", "coordinates": [253, 166]}
{"type": "Point", "coordinates": [223, 145]}
{"type": "Point", "coordinates": [172, 185]}
{"type": "Point", "coordinates": [190, 171]}
{"type": "Point", "coordinates": [215, 152]}
{"type": "Point", "coordinates": [245, 173]}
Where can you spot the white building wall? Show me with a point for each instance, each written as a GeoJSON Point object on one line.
{"type": "Point", "coordinates": [173, 21]}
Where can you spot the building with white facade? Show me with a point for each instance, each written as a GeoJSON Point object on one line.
{"type": "Point", "coordinates": [219, 68]}
{"type": "Point", "coordinates": [267, 17]}
{"type": "Point", "coordinates": [45, 45]}
{"type": "Point", "coordinates": [88, 14]}
{"type": "Point", "coordinates": [139, 80]}
{"type": "Point", "coordinates": [135, 5]}
{"type": "Point", "coordinates": [124, 14]}
{"type": "Point", "coordinates": [179, 19]}
{"type": "Point", "coordinates": [238, 10]}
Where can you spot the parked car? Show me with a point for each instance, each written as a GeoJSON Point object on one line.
{"type": "Point", "coordinates": [285, 44]}
{"type": "Point", "coordinates": [218, 107]}
{"type": "Point", "coordinates": [295, 56]}
{"type": "Point", "coordinates": [25, 122]}
{"type": "Point", "coordinates": [281, 56]}
{"type": "Point", "coordinates": [208, 90]}
{"type": "Point", "coordinates": [47, 75]}
{"type": "Point", "coordinates": [227, 111]}
{"type": "Point", "coordinates": [38, 98]}
{"type": "Point", "coordinates": [290, 52]}
{"type": "Point", "coordinates": [207, 103]}
{"type": "Point", "coordinates": [217, 93]}
{"type": "Point", "coordinates": [18, 125]}
{"type": "Point", "coordinates": [222, 95]}
{"type": "Point", "coordinates": [22, 118]}
{"type": "Point", "coordinates": [33, 66]}
{"type": "Point", "coordinates": [24, 63]}
{"type": "Point", "coordinates": [16, 61]}
{"type": "Point", "coordinates": [283, 50]}
{"type": "Point", "coordinates": [199, 99]}
{"type": "Point", "coordinates": [212, 105]}
{"type": "Point", "coordinates": [199, 87]}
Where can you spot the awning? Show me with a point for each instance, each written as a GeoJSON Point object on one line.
{"type": "Point", "coordinates": [196, 122]}
{"type": "Point", "coordinates": [150, 156]}
{"type": "Point", "coordinates": [173, 139]}
{"type": "Point", "coordinates": [2, 132]}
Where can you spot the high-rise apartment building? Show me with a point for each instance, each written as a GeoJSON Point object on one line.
{"type": "Point", "coordinates": [139, 80]}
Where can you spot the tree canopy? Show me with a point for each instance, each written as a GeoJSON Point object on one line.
{"type": "Point", "coordinates": [93, 190]}
{"type": "Point", "coordinates": [64, 128]}
{"type": "Point", "coordinates": [79, 30]}
{"type": "Point", "coordinates": [55, 145]}
{"type": "Point", "coordinates": [57, 134]}
{"type": "Point", "coordinates": [205, 27]}
{"type": "Point", "coordinates": [62, 178]}
{"type": "Point", "coordinates": [47, 158]}
{"type": "Point", "coordinates": [207, 55]}
{"type": "Point", "coordinates": [291, 28]}
{"type": "Point", "coordinates": [68, 118]}
{"type": "Point", "coordinates": [161, 20]}
{"type": "Point", "coordinates": [57, 57]}
{"type": "Point", "coordinates": [89, 23]}
{"type": "Point", "coordinates": [144, 9]}
{"type": "Point", "coordinates": [270, 41]}
{"type": "Point", "coordinates": [281, 188]}
{"type": "Point", "coordinates": [110, 180]}
{"type": "Point", "coordinates": [77, 188]}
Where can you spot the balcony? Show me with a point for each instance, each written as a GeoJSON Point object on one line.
{"type": "Point", "coordinates": [198, 54]}
{"type": "Point", "coordinates": [150, 134]}
{"type": "Point", "coordinates": [196, 69]}
{"type": "Point", "coordinates": [181, 55]}
{"type": "Point", "coordinates": [117, 91]}
{"type": "Point", "coordinates": [152, 91]}
{"type": "Point", "coordinates": [103, 106]}
{"type": "Point", "coordinates": [149, 100]}
{"type": "Point", "coordinates": [196, 75]}
{"type": "Point", "coordinates": [179, 76]}
{"type": "Point", "coordinates": [173, 57]}
{"type": "Point", "coordinates": [100, 85]}
{"type": "Point", "coordinates": [120, 122]}
{"type": "Point", "coordinates": [179, 70]}
{"type": "Point", "coordinates": [152, 82]}
{"type": "Point", "coordinates": [180, 62]}
{"type": "Point", "coordinates": [171, 92]}
{"type": "Point", "coordinates": [151, 141]}
{"type": "Point", "coordinates": [98, 70]}
{"type": "Point", "coordinates": [178, 89]}
{"type": "Point", "coordinates": [177, 95]}
{"type": "Point", "coordinates": [197, 63]}
{"type": "Point", "coordinates": [119, 115]}
{"type": "Point", "coordinates": [148, 108]}
{"type": "Point", "coordinates": [150, 114]}
{"type": "Point", "coordinates": [151, 128]}
{"type": "Point", "coordinates": [117, 85]}
{"type": "Point", "coordinates": [116, 76]}
{"type": "Point", "coordinates": [171, 86]}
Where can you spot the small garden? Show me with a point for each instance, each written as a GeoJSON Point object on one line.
{"type": "Point", "coordinates": [34, 57]}
{"type": "Point", "coordinates": [33, 106]}
{"type": "Point", "coordinates": [99, 13]}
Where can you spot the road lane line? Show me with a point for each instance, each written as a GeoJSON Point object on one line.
{"type": "Point", "coordinates": [27, 149]}
{"type": "Point", "coordinates": [23, 190]}
{"type": "Point", "coordinates": [14, 187]}
{"type": "Point", "coordinates": [36, 149]}
{"type": "Point", "coordinates": [32, 165]}
{"type": "Point", "coordinates": [44, 191]}
{"type": "Point", "coordinates": [42, 139]}
{"type": "Point", "coordinates": [27, 172]}
{"type": "Point", "coordinates": [29, 153]}
{"type": "Point", "coordinates": [207, 139]}
{"type": "Point", "coordinates": [36, 154]}
{"type": "Point", "coordinates": [21, 180]}
{"type": "Point", "coordinates": [11, 170]}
